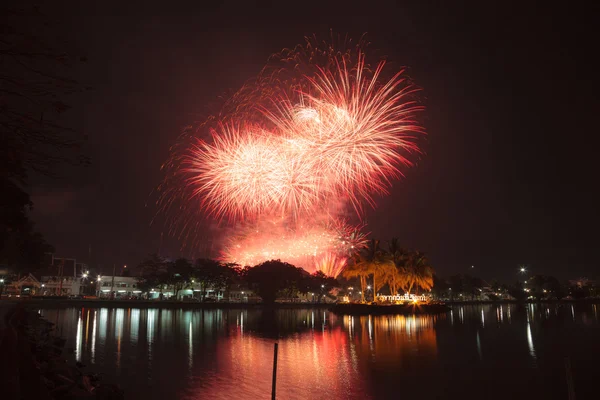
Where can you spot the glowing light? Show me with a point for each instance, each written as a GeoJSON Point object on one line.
{"type": "Point", "coordinates": [291, 153]}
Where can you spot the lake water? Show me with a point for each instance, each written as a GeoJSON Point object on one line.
{"type": "Point", "coordinates": [473, 352]}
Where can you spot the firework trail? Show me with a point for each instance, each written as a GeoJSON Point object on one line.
{"type": "Point", "coordinates": [317, 133]}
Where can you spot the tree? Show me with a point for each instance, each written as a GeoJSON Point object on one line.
{"type": "Point", "coordinates": [153, 273]}
{"type": "Point", "coordinates": [271, 277]}
{"type": "Point", "coordinates": [210, 274]}
{"type": "Point", "coordinates": [318, 283]}
{"type": "Point", "coordinates": [180, 275]}
{"type": "Point", "coordinates": [517, 291]}
{"type": "Point", "coordinates": [32, 139]}
{"type": "Point", "coordinates": [419, 272]}
{"type": "Point", "coordinates": [397, 277]}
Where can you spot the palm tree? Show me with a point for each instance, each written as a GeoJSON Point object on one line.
{"type": "Point", "coordinates": [420, 273]}
{"type": "Point", "coordinates": [375, 262]}
{"type": "Point", "coordinates": [359, 268]}
{"type": "Point", "coordinates": [397, 276]}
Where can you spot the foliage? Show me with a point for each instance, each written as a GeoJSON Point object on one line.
{"type": "Point", "coordinates": [317, 283]}
{"type": "Point", "coordinates": [271, 277]}
{"type": "Point", "coordinates": [32, 140]}
{"type": "Point", "coordinates": [397, 268]}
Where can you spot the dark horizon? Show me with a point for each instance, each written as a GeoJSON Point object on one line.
{"type": "Point", "coordinates": [507, 172]}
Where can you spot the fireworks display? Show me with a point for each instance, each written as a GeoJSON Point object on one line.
{"type": "Point", "coordinates": [314, 137]}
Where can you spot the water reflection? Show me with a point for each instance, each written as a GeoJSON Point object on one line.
{"type": "Point", "coordinates": [225, 354]}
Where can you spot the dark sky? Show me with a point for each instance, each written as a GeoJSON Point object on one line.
{"type": "Point", "coordinates": [510, 168]}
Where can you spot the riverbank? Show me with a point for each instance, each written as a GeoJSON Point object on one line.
{"type": "Point", "coordinates": [34, 302]}
{"type": "Point", "coordinates": [34, 366]}
{"type": "Point", "coordinates": [101, 303]}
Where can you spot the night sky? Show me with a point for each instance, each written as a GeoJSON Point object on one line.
{"type": "Point", "coordinates": [509, 171]}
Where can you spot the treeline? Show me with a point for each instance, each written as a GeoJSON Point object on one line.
{"type": "Point", "coordinates": [269, 280]}
{"type": "Point", "coordinates": [534, 287]}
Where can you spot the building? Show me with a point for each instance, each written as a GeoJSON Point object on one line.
{"type": "Point", "coordinates": [27, 285]}
{"type": "Point", "coordinates": [60, 286]}
{"type": "Point", "coordinates": [117, 287]}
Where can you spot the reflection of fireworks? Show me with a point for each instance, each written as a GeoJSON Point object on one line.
{"type": "Point", "coordinates": [318, 131]}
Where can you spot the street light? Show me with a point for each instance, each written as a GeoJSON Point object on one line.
{"type": "Point", "coordinates": [369, 287]}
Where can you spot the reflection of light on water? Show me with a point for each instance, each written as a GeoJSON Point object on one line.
{"type": "Point", "coordinates": [87, 328]}
{"type": "Point", "coordinates": [191, 346]}
{"type": "Point", "coordinates": [501, 314]}
{"type": "Point", "coordinates": [595, 312]}
{"type": "Point", "coordinates": [150, 332]}
{"type": "Point", "coordinates": [134, 326]}
{"type": "Point", "coordinates": [482, 319]}
{"type": "Point", "coordinates": [530, 340]}
{"type": "Point", "coordinates": [102, 324]}
{"type": "Point", "coordinates": [479, 347]}
{"type": "Point", "coordinates": [119, 334]}
{"type": "Point", "coordinates": [94, 337]}
{"type": "Point", "coordinates": [573, 312]}
{"type": "Point", "coordinates": [78, 338]}
{"type": "Point", "coordinates": [462, 315]}
{"type": "Point", "coordinates": [242, 322]}
{"type": "Point", "coordinates": [451, 317]}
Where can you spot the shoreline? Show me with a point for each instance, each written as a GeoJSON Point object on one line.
{"type": "Point", "coordinates": [102, 303]}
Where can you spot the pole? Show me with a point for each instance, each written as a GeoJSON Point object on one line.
{"type": "Point", "coordinates": [112, 283]}
{"type": "Point", "coordinates": [274, 372]}
{"type": "Point", "coordinates": [60, 275]}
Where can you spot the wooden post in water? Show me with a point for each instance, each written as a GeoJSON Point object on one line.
{"type": "Point", "coordinates": [570, 387]}
{"type": "Point", "coordinates": [274, 372]}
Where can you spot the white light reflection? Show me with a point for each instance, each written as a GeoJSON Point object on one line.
{"type": "Point", "coordinates": [573, 312]}
{"type": "Point", "coordinates": [242, 323]}
{"type": "Point", "coordinates": [134, 326]}
{"type": "Point", "coordinates": [150, 333]}
{"type": "Point", "coordinates": [191, 347]}
{"type": "Point", "coordinates": [508, 314]}
{"type": "Point", "coordinates": [530, 340]}
{"type": "Point", "coordinates": [462, 315]}
{"type": "Point", "coordinates": [78, 338]}
{"type": "Point", "coordinates": [451, 317]}
{"type": "Point", "coordinates": [102, 324]}
{"type": "Point", "coordinates": [94, 338]}
{"type": "Point", "coordinates": [482, 321]}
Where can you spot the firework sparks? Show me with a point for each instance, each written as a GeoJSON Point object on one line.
{"type": "Point", "coordinates": [303, 245]}
{"type": "Point", "coordinates": [317, 133]}
{"type": "Point", "coordinates": [331, 264]}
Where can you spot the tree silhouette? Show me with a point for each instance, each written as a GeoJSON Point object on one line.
{"type": "Point", "coordinates": [270, 277]}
